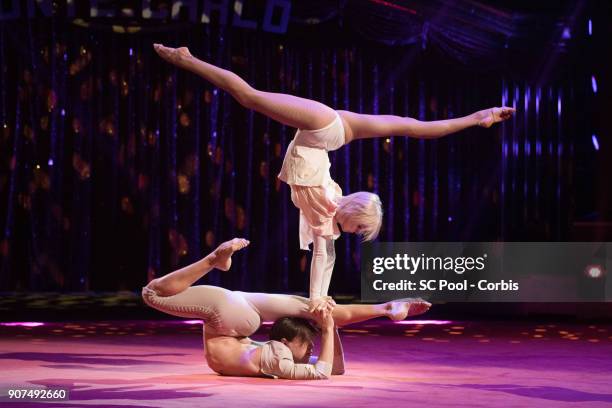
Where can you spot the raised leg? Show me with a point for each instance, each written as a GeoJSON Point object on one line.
{"type": "Point", "coordinates": [362, 126]}
{"type": "Point", "coordinates": [396, 310]}
{"type": "Point", "coordinates": [287, 109]}
{"type": "Point", "coordinates": [179, 280]}
{"type": "Point", "coordinates": [274, 306]}
{"type": "Point", "coordinates": [349, 314]}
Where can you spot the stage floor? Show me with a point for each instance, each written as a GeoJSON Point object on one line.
{"type": "Point", "coordinates": [421, 363]}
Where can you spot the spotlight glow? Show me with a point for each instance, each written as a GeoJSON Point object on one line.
{"type": "Point", "coordinates": [590, 27]}
{"type": "Point", "coordinates": [594, 271]}
{"type": "Point", "coordinates": [567, 33]}
{"type": "Point", "coordinates": [595, 142]}
{"type": "Point", "coordinates": [594, 83]}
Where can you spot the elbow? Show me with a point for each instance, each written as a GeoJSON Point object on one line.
{"type": "Point", "coordinates": [324, 370]}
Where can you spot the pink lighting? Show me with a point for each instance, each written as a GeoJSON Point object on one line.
{"type": "Point", "coordinates": [193, 321]}
{"type": "Point", "coordinates": [24, 324]}
{"type": "Point", "coordinates": [433, 322]}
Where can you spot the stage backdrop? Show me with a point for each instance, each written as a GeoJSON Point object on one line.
{"type": "Point", "coordinates": [117, 168]}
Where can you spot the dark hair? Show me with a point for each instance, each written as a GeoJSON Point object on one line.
{"type": "Point", "coordinates": [292, 327]}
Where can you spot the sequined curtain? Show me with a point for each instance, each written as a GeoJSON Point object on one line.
{"type": "Point", "coordinates": [117, 167]}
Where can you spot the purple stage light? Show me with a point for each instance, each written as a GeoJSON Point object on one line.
{"type": "Point", "coordinates": [450, 219]}
{"type": "Point", "coordinates": [567, 34]}
{"type": "Point", "coordinates": [590, 27]}
{"type": "Point", "coordinates": [594, 83]}
{"type": "Point", "coordinates": [50, 162]}
{"type": "Point", "coordinates": [595, 142]}
{"type": "Point", "coordinates": [131, 52]}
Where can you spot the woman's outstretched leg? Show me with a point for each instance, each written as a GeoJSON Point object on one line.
{"type": "Point", "coordinates": [395, 310]}
{"type": "Point", "coordinates": [179, 280]}
{"type": "Point", "coordinates": [289, 110]}
{"type": "Point", "coordinates": [274, 306]}
{"type": "Point", "coordinates": [362, 126]}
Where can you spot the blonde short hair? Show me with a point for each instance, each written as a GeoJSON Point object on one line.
{"type": "Point", "coordinates": [364, 208]}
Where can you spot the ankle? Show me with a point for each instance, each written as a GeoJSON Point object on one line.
{"type": "Point", "coordinates": [476, 118]}
{"type": "Point", "coordinates": [385, 309]}
{"type": "Point", "coordinates": [209, 260]}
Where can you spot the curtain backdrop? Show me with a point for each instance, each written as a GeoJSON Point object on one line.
{"type": "Point", "coordinates": [117, 168]}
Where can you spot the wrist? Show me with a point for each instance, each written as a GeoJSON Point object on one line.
{"type": "Point", "coordinates": [327, 328]}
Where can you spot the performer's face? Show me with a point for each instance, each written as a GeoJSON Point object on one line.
{"type": "Point", "coordinates": [349, 225]}
{"type": "Point", "coordinates": [301, 349]}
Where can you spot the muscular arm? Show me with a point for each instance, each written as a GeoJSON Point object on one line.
{"type": "Point", "coordinates": [330, 250]}
{"type": "Point", "coordinates": [327, 345]}
{"type": "Point", "coordinates": [318, 267]}
{"type": "Point", "coordinates": [338, 364]}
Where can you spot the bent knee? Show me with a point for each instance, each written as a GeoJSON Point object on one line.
{"type": "Point", "coordinates": [153, 285]}
{"type": "Point", "coordinates": [161, 288]}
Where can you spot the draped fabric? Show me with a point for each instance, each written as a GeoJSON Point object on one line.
{"type": "Point", "coordinates": [117, 167]}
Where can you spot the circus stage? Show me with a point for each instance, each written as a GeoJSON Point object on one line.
{"type": "Point", "coordinates": [160, 363]}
